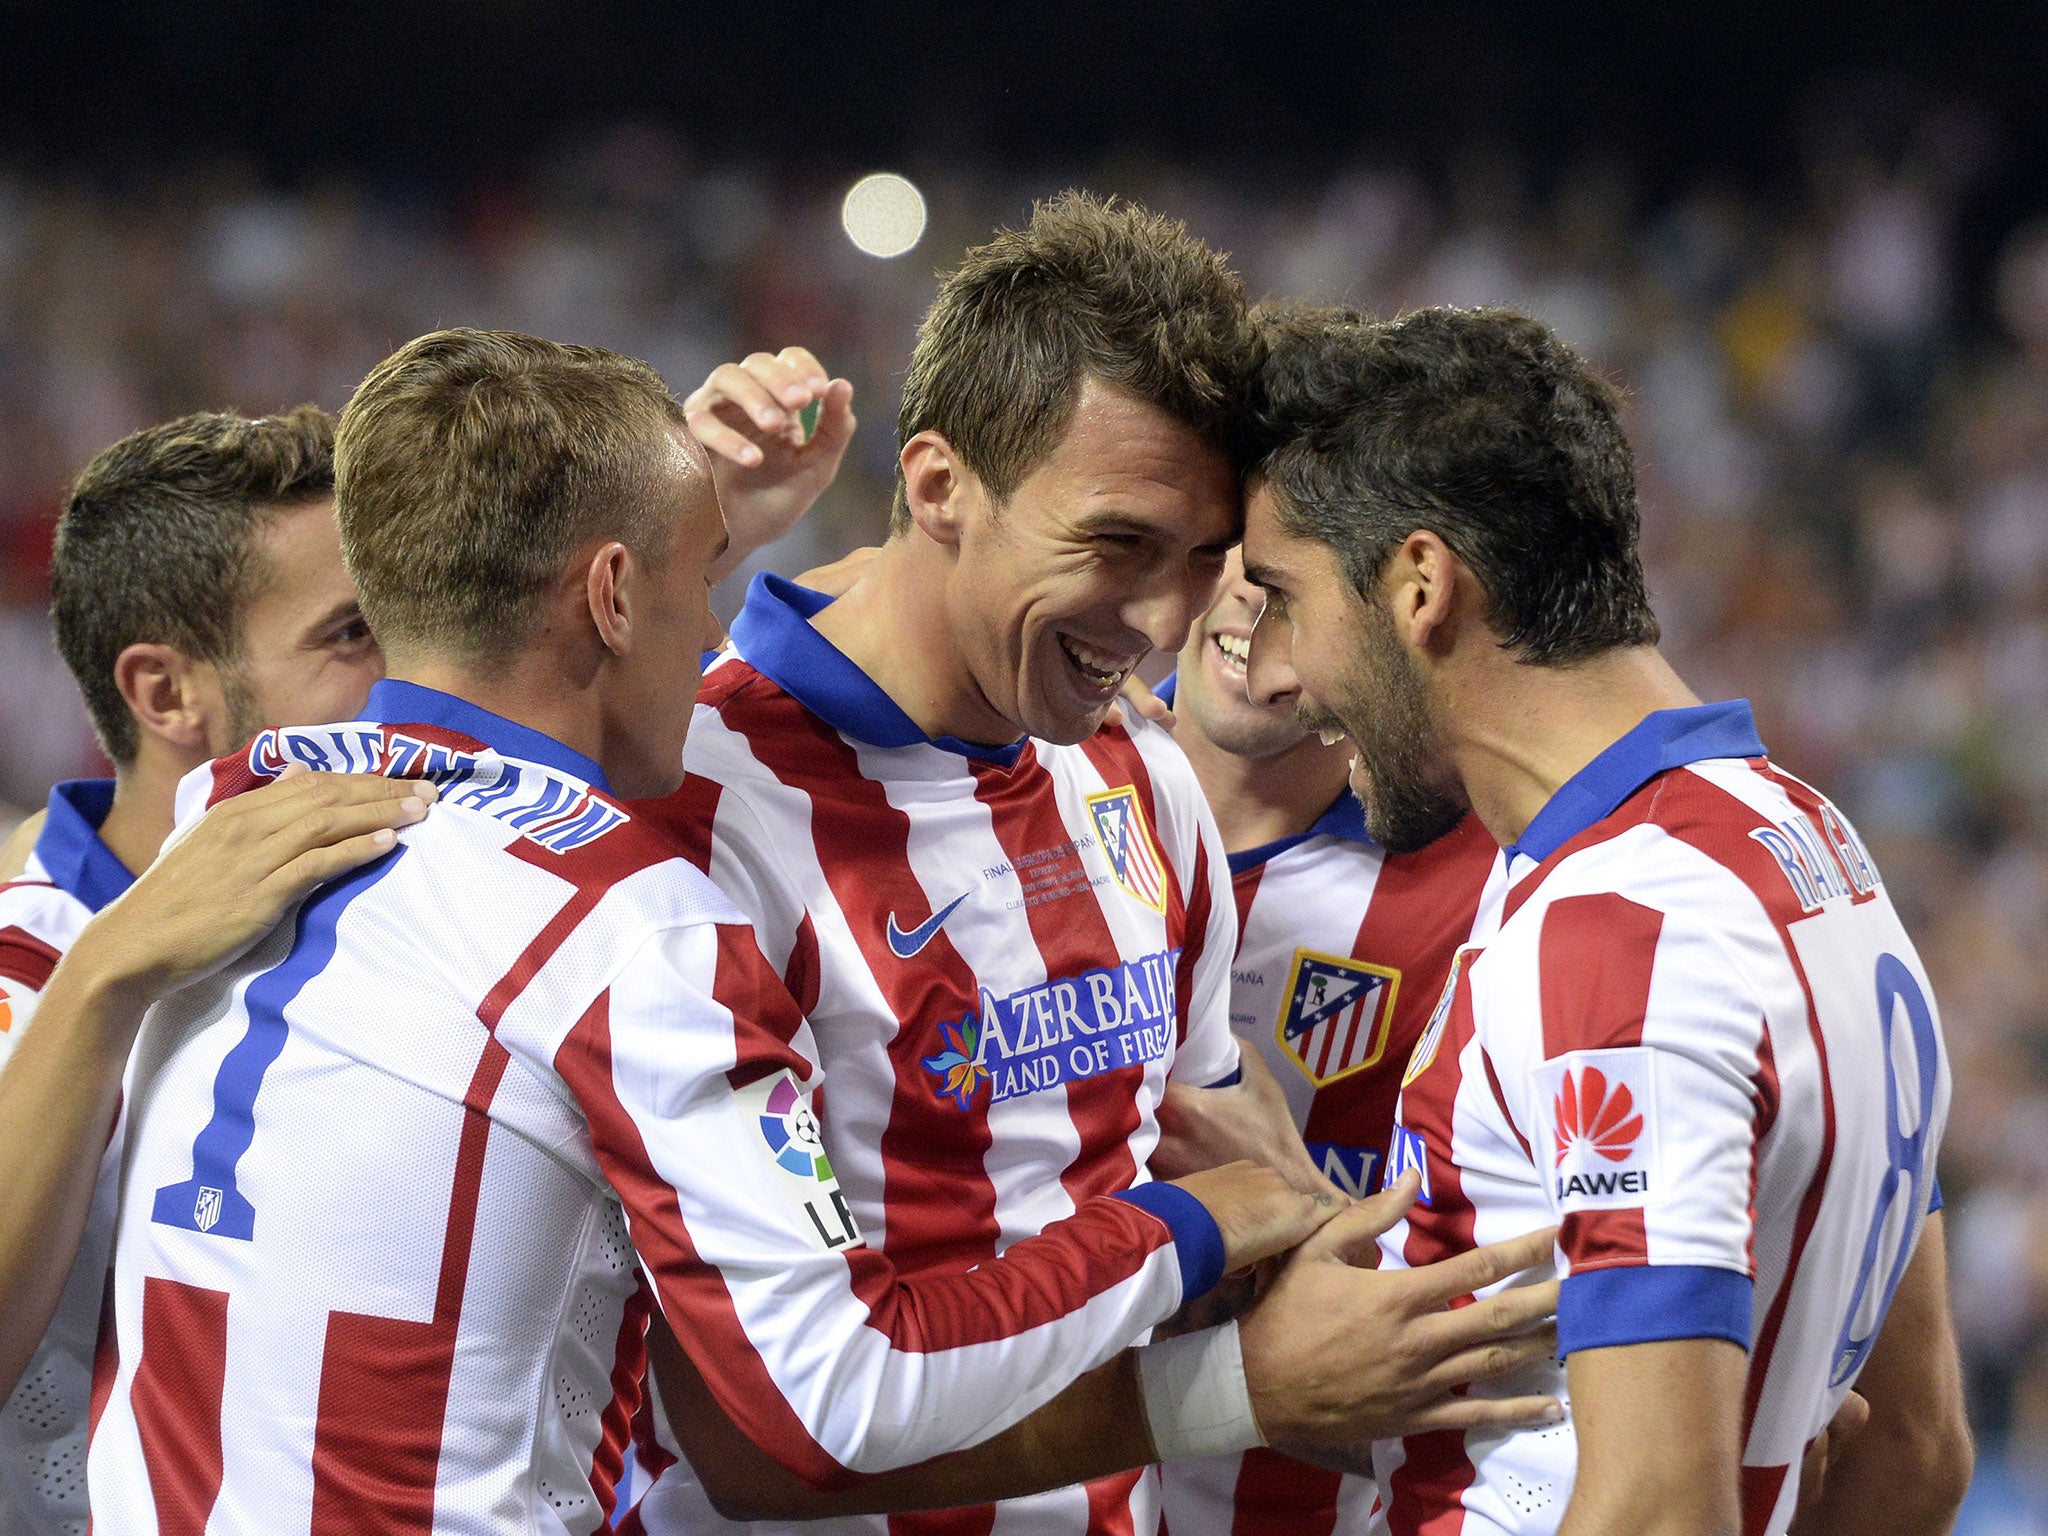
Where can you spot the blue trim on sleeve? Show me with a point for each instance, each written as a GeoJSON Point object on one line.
{"type": "Point", "coordinates": [1236, 1077]}
{"type": "Point", "coordinates": [1197, 1240]}
{"type": "Point", "coordinates": [1934, 1200]}
{"type": "Point", "coordinates": [1663, 740]}
{"type": "Point", "coordinates": [773, 634]}
{"type": "Point", "coordinates": [69, 845]}
{"type": "Point", "coordinates": [1640, 1304]}
{"type": "Point", "coordinates": [393, 701]}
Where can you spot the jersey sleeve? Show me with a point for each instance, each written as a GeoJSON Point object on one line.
{"type": "Point", "coordinates": [699, 1100]}
{"type": "Point", "coordinates": [1207, 1055]}
{"type": "Point", "coordinates": [1645, 1108]}
{"type": "Point", "coordinates": [25, 966]}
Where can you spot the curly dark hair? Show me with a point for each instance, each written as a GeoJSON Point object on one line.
{"type": "Point", "coordinates": [1093, 288]}
{"type": "Point", "coordinates": [1479, 425]}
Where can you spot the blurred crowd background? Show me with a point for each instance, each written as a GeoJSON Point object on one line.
{"type": "Point", "coordinates": [1838, 376]}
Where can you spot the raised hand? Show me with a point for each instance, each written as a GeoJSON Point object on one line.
{"type": "Point", "coordinates": [769, 470]}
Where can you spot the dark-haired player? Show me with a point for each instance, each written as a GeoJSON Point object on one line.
{"type": "Point", "coordinates": [1689, 1029]}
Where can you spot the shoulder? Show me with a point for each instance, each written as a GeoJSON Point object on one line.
{"type": "Point", "coordinates": [38, 922]}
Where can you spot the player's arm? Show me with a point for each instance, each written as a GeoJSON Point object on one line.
{"type": "Point", "coordinates": [1339, 1356]}
{"type": "Point", "coordinates": [1201, 1127]}
{"type": "Point", "coordinates": [211, 892]}
{"type": "Point", "coordinates": [1660, 1439]}
{"type": "Point", "coordinates": [1907, 1469]}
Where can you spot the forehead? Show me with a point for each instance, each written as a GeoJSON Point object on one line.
{"type": "Point", "coordinates": [1121, 454]}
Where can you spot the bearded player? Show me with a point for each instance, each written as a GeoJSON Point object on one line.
{"type": "Point", "coordinates": [1689, 1027]}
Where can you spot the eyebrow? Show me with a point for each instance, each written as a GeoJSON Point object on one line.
{"type": "Point", "coordinates": [347, 608]}
{"type": "Point", "coordinates": [1261, 575]}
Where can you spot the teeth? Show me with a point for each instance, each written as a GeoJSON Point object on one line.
{"type": "Point", "coordinates": [1105, 671]}
{"type": "Point", "coordinates": [1239, 651]}
{"type": "Point", "coordinates": [1330, 735]}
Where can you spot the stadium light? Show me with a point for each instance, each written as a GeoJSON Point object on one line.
{"type": "Point", "coordinates": [883, 214]}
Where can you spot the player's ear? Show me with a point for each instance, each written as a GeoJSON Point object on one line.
{"type": "Point", "coordinates": [169, 694]}
{"type": "Point", "coordinates": [608, 592]}
{"type": "Point", "coordinates": [936, 486]}
{"type": "Point", "coordinates": [1422, 589]}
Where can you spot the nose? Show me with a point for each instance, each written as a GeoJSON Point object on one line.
{"type": "Point", "coordinates": [1164, 608]}
{"type": "Point", "coordinates": [1270, 677]}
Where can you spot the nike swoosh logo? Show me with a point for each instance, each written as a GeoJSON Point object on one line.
{"type": "Point", "coordinates": [907, 944]}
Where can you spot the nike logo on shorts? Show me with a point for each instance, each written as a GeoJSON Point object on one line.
{"type": "Point", "coordinates": [907, 944]}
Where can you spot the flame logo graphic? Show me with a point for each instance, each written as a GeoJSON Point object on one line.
{"type": "Point", "coordinates": [1587, 1112]}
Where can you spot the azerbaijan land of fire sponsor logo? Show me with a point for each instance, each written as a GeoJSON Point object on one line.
{"type": "Point", "coordinates": [1598, 1123]}
{"type": "Point", "coordinates": [1338, 1014]}
{"type": "Point", "coordinates": [1127, 842]}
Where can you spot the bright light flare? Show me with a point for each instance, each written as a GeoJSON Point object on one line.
{"type": "Point", "coordinates": [883, 214]}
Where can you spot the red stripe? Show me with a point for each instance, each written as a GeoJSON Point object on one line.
{"type": "Point", "coordinates": [1421, 910]}
{"type": "Point", "coordinates": [973, 1520]}
{"type": "Point", "coordinates": [384, 1381]}
{"type": "Point", "coordinates": [1760, 1489]}
{"type": "Point", "coordinates": [1072, 936]}
{"type": "Point", "coordinates": [1244, 888]}
{"type": "Point", "coordinates": [1596, 958]}
{"type": "Point", "coordinates": [26, 959]}
{"type": "Point", "coordinates": [629, 1368]}
{"type": "Point", "coordinates": [935, 1186]}
{"type": "Point", "coordinates": [1424, 1491]}
{"type": "Point", "coordinates": [1279, 1496]}
{"type": "Point", "coordinates": [1109, 1504]}
{"type": "Point", "coordinates": [686, 817]}
{"type": "Point", "coordinates": [176, 1396]}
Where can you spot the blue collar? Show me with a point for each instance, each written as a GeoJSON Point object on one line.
{"type": "Point", "coordinates": [1667, 739]}
{"type": "Point", "coordinates": [69, 846]}
{"type": "Point", "coordinates": [1345, 818]}
{"type": "Point", "coordinates": [1168, 689]}
{"type": "Point", "coordinates": [773, 635]}
{"type": "Point", "coordinates": [393, 702]}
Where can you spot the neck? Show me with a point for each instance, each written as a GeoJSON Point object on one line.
{"type": "Point", "coordinates": [1525, 730]}
{"type": "Point", "coordinates": [1260, 800]}
{"type": "Point", "coordinates": [885, 624]}
{"type": "Point", "coordinates": [534, 688]}
{"type": "Point", "coordinates": [145, 804]}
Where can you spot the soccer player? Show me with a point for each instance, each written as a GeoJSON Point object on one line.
{"type": "Point", "coordinates": [387, 1171]}
{"type": "Point", "coordinates": [1689, 1027]}
{"type": "Point", "coordinates": [1007, 918]}
{"type": "Point", "coordinates": [1342, 950]}
{"type": "Point", "coordinates": [199, 594]}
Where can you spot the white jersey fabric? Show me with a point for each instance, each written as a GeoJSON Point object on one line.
{"type": "Point", "coordinates": [1003, 951]}
{"type": "Point", "coordinates": [1692, 1031]}
{"type": "Point", "coordinates": [70, 876]}
{"type": "Point", "coordinates": [386, 1176]}
{"type": "Point", "coordinates": [1342, 950]}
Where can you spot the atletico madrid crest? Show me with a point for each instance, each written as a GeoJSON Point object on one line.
{"type": "Point", "coordinates": [1127, 842]}
{"type": "Point", "coordinates": [1337, 1015]}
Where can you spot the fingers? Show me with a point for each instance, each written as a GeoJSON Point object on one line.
{"type": "Point", "coordinates": [1470, 1272]}
{"type": "Point", "coordinates": [1142, 702]}
{"type": "Point", "coordinates": [317, 866]}
{"type": "Point", "coordinates": [1849, 1420]}
{"type": "Point", "coordinates": [1484, 1413]}
{"type": "Point", "coordinates": [1258, 1213]}
{"type": "Point", "coordinates": [1353, 1238]}
{"type": "Point", "coordinates": [765, 392]}
{"type": "Point", "coordinates": [292, 798]}
{"type": "Point", "coordinates": [1495, 1358]}
{"type": "Point", "coordinates": [376, 817]}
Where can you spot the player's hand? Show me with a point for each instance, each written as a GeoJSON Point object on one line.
{"type": "Point", "coordinates": [221, 883]}
{"type": "Point", "coordinates": [1336, 1354]}
{"type": "Point", "coordinates": [1847, 1423]}
{"type": "Point", "coordinates": [748, 417]}
{"type": "Point", "coordinates": [1201, 1127]}
{"type": "Point", "coordinates": [1259, 1212]}
{"type": "Point", "coordinates": [833, 580]}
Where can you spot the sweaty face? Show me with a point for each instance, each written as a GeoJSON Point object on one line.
{"type": "Point", "coordinates": [1213, 689]}
{"type": "Point", "coordinates": [1105, 552]}
{"type": "Point", "coordinates": [307, 657]}
{"type": "Point", "coordinates": [1355, 676]}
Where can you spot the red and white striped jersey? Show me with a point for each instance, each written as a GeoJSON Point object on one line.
{"type": "Point", "coordinates": [1003, 953]}
{"type": "Point", "coordinates": [1341, 953]}
{"type": "Point", "coordinates": [387, 1173]}
{"type": "Point", "coordinates": [71, 874]}
{"type": "Point", "coordinates": [1696, 1036]}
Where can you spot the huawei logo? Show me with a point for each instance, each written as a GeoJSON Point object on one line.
{"type": "Point", "coordinates": [1587, 1111]}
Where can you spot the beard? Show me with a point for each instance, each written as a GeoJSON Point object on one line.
{"type": "Point", "coordinates": [1410, 796]}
